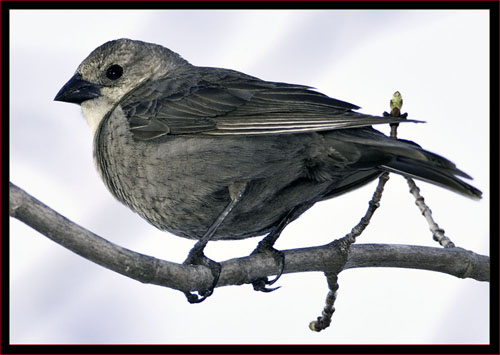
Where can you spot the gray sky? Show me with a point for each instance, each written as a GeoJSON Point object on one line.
{"type": "Point", "coordinates": [438, 60]}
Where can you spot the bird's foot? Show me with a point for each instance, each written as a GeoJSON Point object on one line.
{"type": "Point", "coordinates": [196, 257]}
{"type": "Point", "coordinates": [261, 284]}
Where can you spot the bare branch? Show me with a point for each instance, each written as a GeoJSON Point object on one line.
{"type": "Point", "coordinates": [453, 261]}
{"type": "Point", "coordinates": [437, 233]}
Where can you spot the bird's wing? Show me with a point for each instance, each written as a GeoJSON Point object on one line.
{"type": "Point", "coordinates": [225, 102]}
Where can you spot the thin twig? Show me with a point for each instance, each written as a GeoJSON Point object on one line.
{"type": "Point", "coordinates": [374, 203]}
{"type": "Point", "coordinates": [345, 243]}
{"type": "Point", "coordinates": [323, 321]}
{"type": "Point", "coordinates": [437, 233]}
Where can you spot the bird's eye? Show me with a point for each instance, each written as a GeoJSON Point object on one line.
{"type": "Point", "coordinates": [114, 72]}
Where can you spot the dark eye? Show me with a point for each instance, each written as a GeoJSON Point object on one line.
{"type": "Point", "coordinates": [114, 72]}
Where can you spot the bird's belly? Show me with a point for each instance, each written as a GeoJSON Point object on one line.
{"type": "Point", "coordinates": [181, 184]}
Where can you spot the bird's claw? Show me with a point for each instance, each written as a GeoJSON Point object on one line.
{"type": "Point", "coordinates": [215, 269]}
{"type": "Point", "coordinates": [261, 283]}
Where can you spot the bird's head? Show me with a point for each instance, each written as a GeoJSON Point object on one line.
{"type": "Point", "coordinates": [115, 68]}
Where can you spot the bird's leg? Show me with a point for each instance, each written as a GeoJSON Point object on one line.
{"type": "Point", "coordinates": [266, 246]}
{"type": "Point", "coordinates": [196, 255]}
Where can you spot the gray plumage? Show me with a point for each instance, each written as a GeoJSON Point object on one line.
{"type": "Point", "coordinates": [174, 141]}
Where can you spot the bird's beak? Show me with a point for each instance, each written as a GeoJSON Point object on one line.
{"type": "Point", "coordinates": [77, 90]}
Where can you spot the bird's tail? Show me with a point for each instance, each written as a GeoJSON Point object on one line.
{"type": "Point", "coordinates": [409, 159]}
{"type": "Point", "coordinates": [399, 156]}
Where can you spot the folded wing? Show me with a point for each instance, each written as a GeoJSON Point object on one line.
{"type": "Point", "coordinates": [224, 102]}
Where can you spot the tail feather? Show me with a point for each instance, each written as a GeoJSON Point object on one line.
{"type": "Point", "coordinates": [400, 156]}
{"type": "Point", "coordinates": [436, 170]}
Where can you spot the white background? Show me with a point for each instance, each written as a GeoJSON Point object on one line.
{"type": "Point", "coordinates": [438, 60]}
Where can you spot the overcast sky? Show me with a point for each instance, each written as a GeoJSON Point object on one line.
{"type": "Point", "coordinates": [438, 60]}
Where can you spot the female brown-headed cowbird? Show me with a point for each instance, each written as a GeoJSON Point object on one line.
{"type": "Point", "coordinates": [211, 153]}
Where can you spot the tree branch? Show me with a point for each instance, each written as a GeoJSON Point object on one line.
{"type": "Point", "coordinates": [453, 261]}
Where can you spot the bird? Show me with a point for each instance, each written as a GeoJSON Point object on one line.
{"type": "Point", "coordinates": [215, 154]}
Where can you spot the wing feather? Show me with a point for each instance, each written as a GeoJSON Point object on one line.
{"type": "Point", "coordinates": [225, 102]}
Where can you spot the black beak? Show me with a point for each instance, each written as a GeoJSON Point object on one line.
{"type": "Point", "coordinates": [77, 90]}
